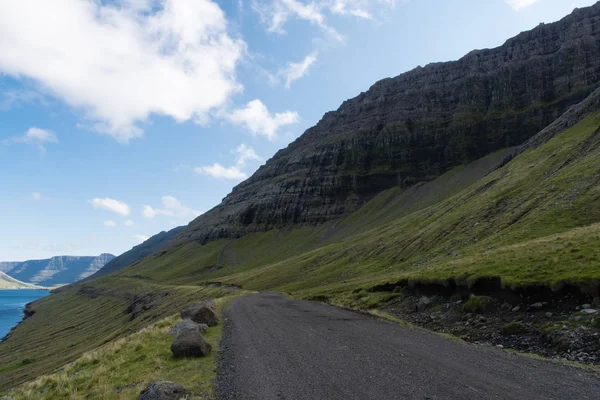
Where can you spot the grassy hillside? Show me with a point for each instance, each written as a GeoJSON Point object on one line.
{"type": "Point", "coordinates": [80, 318]}
{"type": "Point", "coordinates": [535, 220]}
{"type": "Point", "coordinates": [121, 368]}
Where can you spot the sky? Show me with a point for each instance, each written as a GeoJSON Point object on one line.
{"type": "Point", "coordinates": [123, 118]}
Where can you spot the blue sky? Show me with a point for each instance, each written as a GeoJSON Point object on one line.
{"type": "Point", "coordinates": [122, 118]}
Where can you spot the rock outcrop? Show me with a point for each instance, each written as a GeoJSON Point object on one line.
{"type": "Point", "coordinates": [414, 127]}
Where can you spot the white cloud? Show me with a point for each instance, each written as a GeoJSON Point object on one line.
{"type": "Point", "coordinates": [293, 71]}
{"type": "Point", "coordinates": [113, 205]}
{"type": "Point", "coordinates": [519, 4]}
{"type": "Point", "coordinates": [34, 136]}
{"type": "Point", "coordinates": [122, 62]}
{"type": "Point", "coordinates": [220, 172]}
{"type": "Point", "coordinates": [140, 238]}
{"type": "Point", "coordinates": [129, 223]}
{"type": "Point", "coordinates": [276, 13]}
{"type": "Point", "coordinates": [244, 154]}
{"type": "Point", "coordinates": [110, 223]}
{"type": "Point", "coordinates": [37, 196]}
{"type": "Point", "coordinates": [256, 117]}
{"type": "Point", "coordinates": [171, 207]}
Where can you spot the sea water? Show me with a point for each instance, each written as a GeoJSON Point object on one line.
{"type": "Point", "coordinates": [12, 303]}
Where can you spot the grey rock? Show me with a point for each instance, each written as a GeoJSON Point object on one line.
{"type": "Point", "coordinates": [548, 315]}
{"type": "Point", "coordinates": [515, 309]}
{"type": "Point", "coordinates": [423, 303]}
{"type": "Point", "coordinates": [187, 325]}
{"type": "Point", "coordinates": [589, 311]}
{"type": "Point", "coordinates": [202, 313]}
{"type": "Point", "coordinates": [586, 306]}
{"type": "Point", "coordinates": [190, 344]}
{"type": "Point", "coordinates": [163, 390]}
{"type": "Point", "coordinates": [536, 306]}
{"type": "Point", "coordinates": [596, 301]}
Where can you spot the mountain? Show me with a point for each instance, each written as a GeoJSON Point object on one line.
{"type": "Point", "coordinates": [57, 270]}
{"type": "Point", "coordinates": [410, 129]}
{"type": "Point", "coordinates": [458, 180]}
{"type": "Point", "coordinates": [7, 266]}
{"type": "Point", "coordinates": [7, 282]}
{"type": "Point", "coordinates": [138, 252]}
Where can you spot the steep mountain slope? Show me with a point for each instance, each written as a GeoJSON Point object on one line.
{"type": "Point", "coordinates": [59, 270]}
{"type": "Point", "coordinates": [138, 252]}
{"type": "Point", "coordinates": [416, 126]}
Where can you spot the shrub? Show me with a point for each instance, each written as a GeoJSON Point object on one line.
{"type": "Point", "coordinates": [477, 304]}
{"type": "Point", "coordinates": [513, 328]}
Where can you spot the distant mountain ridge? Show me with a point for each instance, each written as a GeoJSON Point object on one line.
{"type": "Point", "coordinates": [56, 270]}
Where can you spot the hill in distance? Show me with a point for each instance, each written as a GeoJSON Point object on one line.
{"type": "Point", "coordinates": [57, 270]}
{"type": "Point", "coordinates": [478, 176]}
{"type": "Point", "coordinates": [7, 282]}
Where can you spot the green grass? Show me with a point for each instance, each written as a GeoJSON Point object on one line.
{"type": "Point", "coordinates": [67, 324]}
{"type": "Point", "coordinates": [122, 368]}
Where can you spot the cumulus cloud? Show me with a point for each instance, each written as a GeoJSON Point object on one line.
{"type": "Point", "coordinates": [34, 136]}
{"type": "Point", "coordinates": [293, 71]}
{"type": "Point", "coordinates": [113, 205]}
{"type": "Point", "coordinates": [129, 223]}
{"type": "Point", "coordinates": [37, 196]}
{"type": "Point", "coordinates": [122, 62]}
{"type": "Point", "coordinates": [220, 172]}
{"type": "Point", "coordinates": [256, 117]}
{"type": "Point", "coordinates": [140, 238]}
{"type": "Point", "coordinates": [520, 4]}
{"type": "Point", "coordinates": [171, 207]}
{"type": "Point", "coordinates": [110, 223]}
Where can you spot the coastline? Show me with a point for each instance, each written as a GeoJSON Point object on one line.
{"type": "Point", "coordinates": [26, 312]}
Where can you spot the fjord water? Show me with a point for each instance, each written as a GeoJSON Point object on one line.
{"type": "Point", "coordinates": [12, 303]}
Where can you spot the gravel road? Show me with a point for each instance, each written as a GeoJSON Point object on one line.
{"type": "Point", "coordinates": [277, 348]}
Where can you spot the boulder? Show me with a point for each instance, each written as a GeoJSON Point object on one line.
{"type": "Point", "coordinates": [586, 306]}
{"type": "Point", "coordinates": [202, 313]}
{"type": "Point", "coordinates": [163, 390]}
{"type": "Point", "coordinates": [589, 311]}
{"type": "Point", "coordinates": [187, 325]}
{"type": "Point", "coordinates": [190, 344]}
{"type": "Point", "coordinates": [423, 303]}
{"type": "Point", "coordinates": [536, 306]}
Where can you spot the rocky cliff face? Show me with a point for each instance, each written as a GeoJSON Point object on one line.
{"type": "Point", "coordinates": [413, 127]}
